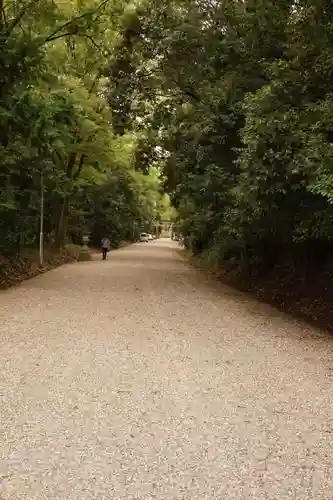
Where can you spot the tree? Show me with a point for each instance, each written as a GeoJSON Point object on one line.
{"type": "Point", "coordinates": [55, 121]}
{"type": "Point", "coordinates": [241, 98]}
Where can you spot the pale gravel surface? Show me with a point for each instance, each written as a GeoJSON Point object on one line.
{"type": "Point", "coordinates": [139, 378]}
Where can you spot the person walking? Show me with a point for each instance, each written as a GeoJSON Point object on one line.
{"type": "Point", "coordinates": [105, 246]}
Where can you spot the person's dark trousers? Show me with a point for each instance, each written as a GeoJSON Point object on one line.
{"type": "Point", "coordinates": [104, 252]}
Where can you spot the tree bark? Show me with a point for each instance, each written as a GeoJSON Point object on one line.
{"type": "Point", "coordinates": [61, 208]}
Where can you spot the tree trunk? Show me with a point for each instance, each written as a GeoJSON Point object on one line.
{"type": "Point", "coordinates": [61, 209]}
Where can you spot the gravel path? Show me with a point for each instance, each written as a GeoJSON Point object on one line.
{"type": "Point", "coordinates": [139, 378]}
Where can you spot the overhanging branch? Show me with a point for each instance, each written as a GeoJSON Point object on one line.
{"type": "Point", "coordinates": [19, 17]}
{"type": "Point", "coordinates": [69, 23]}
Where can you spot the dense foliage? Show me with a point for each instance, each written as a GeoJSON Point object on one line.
{"type": "Point", "coordinates": [232, 100]}
{"type": "Point", "coordinates": [56, 134]}
{"type": "Point", "coordinates": [238, 98]}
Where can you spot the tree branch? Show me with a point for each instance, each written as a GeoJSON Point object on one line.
{"type": "Point", "coordinates": [188, 92]}
{"type": "Point", "coordinates": [92, 41]}
{"type": "Point", "coordinates": [19, 17]}
{"type": "Point", "coordinates": [57, 37]}
{"type": "Point", "coordinates": [63, 35]}
{"type": "Point", "coordinates": [71, 21]}
{"type": "Point", "coordinates": [3, 14]}
{"type": "Point", "coordinates": [80, 166]}
{"type": "Point", "coordinates": [99, 9]}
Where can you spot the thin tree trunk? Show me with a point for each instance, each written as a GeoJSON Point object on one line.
{"type": "Point", "coordinates": [62, 223]}
{"type": "Point", "coordinates": [61, 211]}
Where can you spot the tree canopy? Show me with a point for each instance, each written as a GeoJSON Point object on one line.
{"type": "Point", "coordinates": [228, 103]}
{"type": "Point", "coordinates": [56, 130]}
{"type": "Point", "coordinates": [237, 96]}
